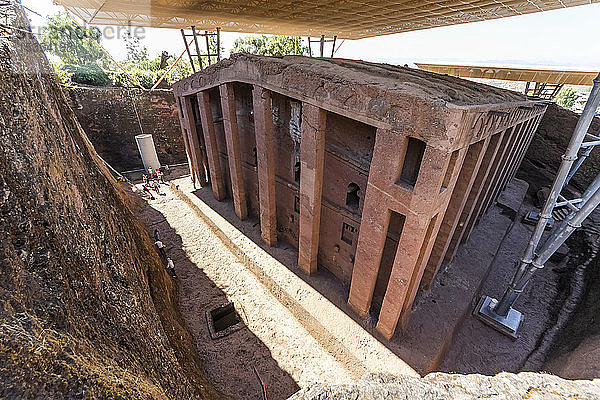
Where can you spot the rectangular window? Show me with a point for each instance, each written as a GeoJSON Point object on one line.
{"type": "Point", "coordinates": [396, 225]}
{"type": "Point", "coordinates": [348, 233]}
{"type": "Point", "coordinates": [297, 204]}
{"type": "Point", "coordinates": [412, 161]}
{"type": "Point", "coordinates": [297, 172]}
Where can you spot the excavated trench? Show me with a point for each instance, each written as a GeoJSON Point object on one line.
{"type": "Point", "coordinates": [570, 347]}
{"type": "Point", "coordinates": [88, 310]}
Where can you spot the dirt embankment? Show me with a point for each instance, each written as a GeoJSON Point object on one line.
{"type": "Point", "coordinates": [575, 351]}
{"type": "Point", "coordinates": [86, 308]}
{"type": "Point", "coordinates": [548, 145]}
{"type": "Point", "coordinates": [569, 347]}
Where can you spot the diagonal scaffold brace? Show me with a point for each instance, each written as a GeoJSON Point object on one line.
{"type": "Point", "coordinates": [501, 315]}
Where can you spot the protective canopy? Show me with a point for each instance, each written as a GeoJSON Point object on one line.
{"type": "Point", "coordinates": [347, 19]}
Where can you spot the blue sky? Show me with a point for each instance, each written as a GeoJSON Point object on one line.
{"type": "Point", "coordinates": [560, 38]}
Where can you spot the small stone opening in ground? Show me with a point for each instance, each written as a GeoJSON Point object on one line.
{"type": "Point", "coordinates": [223, 319]}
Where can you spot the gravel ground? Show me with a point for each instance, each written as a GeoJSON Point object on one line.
{"type": "Point", "coordinates": [284, 354]}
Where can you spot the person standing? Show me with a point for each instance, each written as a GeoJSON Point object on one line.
{"type": "Point", "coordinates": [171, 268]}
{"type": "Point", "coordinates": [155, 186]}
{"type": "Point", "coordinates": [161, 250]}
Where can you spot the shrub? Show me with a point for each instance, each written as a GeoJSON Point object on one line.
{"type": "Point", "coordinates": [87, 74]}
{"type": "Point", "coordinates": [147, 73]}
{"type": "Point", "coordinates": [566, 97]}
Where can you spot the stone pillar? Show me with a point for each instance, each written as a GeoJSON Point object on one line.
{"type": "Point", "coordinates": [515, 160]}
{"type": "Point", "coordinates": [234, 153]}
{"type": "Point", "coordinates": [509, 159]}
{"type": "Point", "coordinates": [373, 225]}
{"type": "Point", "coordinates": [532, 131]}
{"type": "Point", "coordinates": [417, 204]}
{"type": "Point", "coordinates": [371, 240]}
{"type": "Point", "coordinates": [189, 127]}
{"type": "Point", "coordinates": [405, 273]}
{"type": "Point", "coordinates": [265, 153]}
{"type": "Point", "coordinates": [489, 185]}
{"type": "Point", "coordinates": [212, 151]}
{"type": "Point", "coordinates": [188, 152]}
{"type": "Point", "coordinates": [464, 184]}
{"type": "Point", "coordinates": [415, 248]}
{"type": "Point", "coordinates": [312, 155]}
{"type": "Point", "coordinates": [476, 191]}
{"type": "Point", "coordinates": [184, 133]}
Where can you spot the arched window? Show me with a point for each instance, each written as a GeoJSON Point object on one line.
{"type": "Point", "coordinates": [352, 199]}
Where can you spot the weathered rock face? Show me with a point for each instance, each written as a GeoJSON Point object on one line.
{"type": "Point", "coordinates": [569, 346]}
{"type": "Point", "coordinates": [438, 386]}
{"type": "Point", "coordinates": [109, 117]}
{"type": "Point", "coordinates": [548, 145]}
{"type": "Point", "coordinates": [86, 308]}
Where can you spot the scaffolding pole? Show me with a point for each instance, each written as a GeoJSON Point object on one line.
{"type": "Point", "coordinates": [322, 41]}
{"type": "Point", "coordinates": [500, 314]}
{"type": "Point", "coordinates": [209, 55]}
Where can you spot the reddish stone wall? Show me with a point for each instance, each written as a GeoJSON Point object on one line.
{"type": "Point", "coordinates": [349, 146]}
{"type": "Point", "coordinates": [109, 119]}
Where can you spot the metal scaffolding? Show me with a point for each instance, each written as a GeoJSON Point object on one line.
{"type": "Point", "coordinates": [500, 314]}
{"type": "Point", "coordinates": [198, 55]}
{"type": "Point", "coordinates": [542, 90]}
{"type": "Point", "coordinates": [321, 41]}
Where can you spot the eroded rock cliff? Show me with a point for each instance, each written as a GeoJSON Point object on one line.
{"type": "Point", "coordinates": [86, 308]}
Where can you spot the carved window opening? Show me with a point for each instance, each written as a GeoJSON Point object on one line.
{"type": "Point", "coordinates": [449, 171]}
{"type": "Point", "coordinates": [415, 149]}
{"type": "Point", "coordinates": [297, 172]}
{"type": "Point", "coordinates": [352, 198]}
{"type": "Point", "coordinates": [348, 233]}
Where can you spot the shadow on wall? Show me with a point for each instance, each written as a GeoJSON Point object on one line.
{"type": "Point", "coordinates": [229, 361]}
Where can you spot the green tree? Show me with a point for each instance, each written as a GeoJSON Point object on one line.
{"type": "Point", "coordinates": [566, 97]}
{"type": "Point", "coordinates": [63, 38]}
{"type": "Point", "coordinates": [135, 50]}
{"type": "Point", "coordinates": [270, 45]}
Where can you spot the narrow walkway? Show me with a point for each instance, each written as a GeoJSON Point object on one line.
{"type": "Point", "coordinates": [477, 348]}
{"type": "Point", "coordinates": [293, 336]}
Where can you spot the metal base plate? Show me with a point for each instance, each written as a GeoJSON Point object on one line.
{"type": "Point", "coordinates": [507, 325]}
{"type": "Point", "coordinates": [532, 218]}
